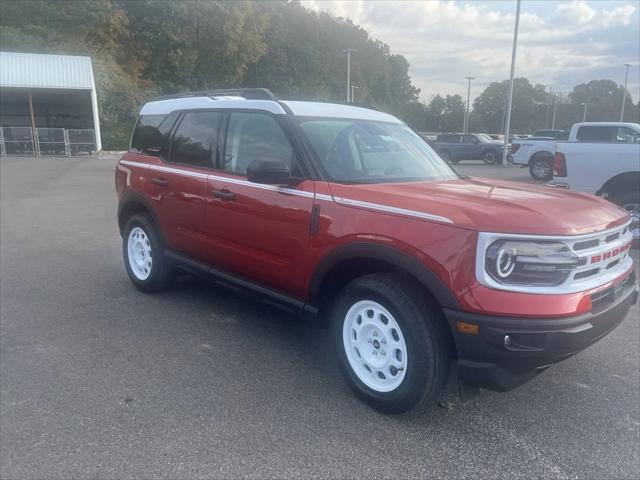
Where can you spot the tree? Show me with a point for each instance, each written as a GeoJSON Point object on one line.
{"type": "Point", "coordinates": [528, 107]}
{"type": "Point", "coordinates": [604, 98]}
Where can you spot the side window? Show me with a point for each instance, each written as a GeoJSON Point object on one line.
{"type": "Point", "coordinates": [448, 139]}
{"type": "Point", "coordinates": [254, 136]}
{"type": "Point", "coordinates": [626, 135]}
{"type": "Point", "coordinates": [469, 140]}
{"type": "Point", "coordinates": [596, 133]}
{"type": "Point", "coordinates": [196, 139]}
{"type": "Point", "coordinates": [150, 134]}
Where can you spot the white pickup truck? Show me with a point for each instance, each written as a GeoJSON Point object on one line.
{"type": "Point", "coordinates": [608, 169]}
{"type": "Point", "coordinates": [537, 153]}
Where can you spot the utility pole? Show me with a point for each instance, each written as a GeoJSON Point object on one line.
{"type": "Point", "coordinates": [584, 113]}
{"type": "Point", "coordinates": [353, 93]}
{"type": "Point", "coordinates": [624, 92]}
{"type": "Point", "coordinates": [348, 52]}
{"type": "Point", "coordinates": [510, 97]}
{"type": "Point", "coordinates": [555, 106]}
{"type": "Point", "coordinates": [466, 115]}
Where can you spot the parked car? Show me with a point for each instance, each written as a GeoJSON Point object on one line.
{"type": "Point", "coordinates": [538, 153]}
{"type": "Point", "coordinates": [345, 215]}
{"type": "Point", "coordinates": [611, 171]}
{"type": "Point", "coordinates": [453, 147]}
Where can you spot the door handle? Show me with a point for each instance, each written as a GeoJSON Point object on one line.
{"type": "Point", "coordinates": [224, 194]}
{"type": "Point", "coordinates": [161, 182]}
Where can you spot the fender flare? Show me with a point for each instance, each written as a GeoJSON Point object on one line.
{"type": "Point", "coordinates": [391, 255]}
{"type": "Point", "coordinates": [133, 196]}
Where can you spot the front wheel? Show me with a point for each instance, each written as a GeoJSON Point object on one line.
{"type": "Point", "coordinates": [489, 158]}
{"type": "Point", "coordinates": [392, 347]}
{"type": "Point", "coordinates": [540, 168]}
{"type": "Point", "coordinates": [630, 201]}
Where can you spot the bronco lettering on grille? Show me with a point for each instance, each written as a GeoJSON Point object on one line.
{"type": "Point", "coordinates": [613, 253]}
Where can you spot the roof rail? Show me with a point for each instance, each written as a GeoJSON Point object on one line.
{"type": "Point", "coordinates": [248, 93]}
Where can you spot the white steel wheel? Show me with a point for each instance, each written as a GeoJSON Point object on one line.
{"type": "Point", "coordinates": [374, 346]}
{"type": "Point", "coordinates": [139, 253]}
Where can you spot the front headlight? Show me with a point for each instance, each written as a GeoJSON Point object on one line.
{"type": "Point", "coordinates": [535, 263]}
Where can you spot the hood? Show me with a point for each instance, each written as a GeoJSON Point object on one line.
{"type": "Point", "coordinates": [493, 205]}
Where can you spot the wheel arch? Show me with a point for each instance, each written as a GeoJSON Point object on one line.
{"type": "Point", "coordinates": [350, 261]}
{"type": "Point", "coordinates": [132, 203]}
{"type": "Point", "coordinates": [541, 154]}
{"type": "Point", "coordinates": [620, 183]}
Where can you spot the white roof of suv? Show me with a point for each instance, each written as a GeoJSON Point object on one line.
{"type": "Point", "coordinates": [302, 109]}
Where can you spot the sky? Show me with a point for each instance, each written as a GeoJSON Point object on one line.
{"type": "Point", "coordinates": [561, 43]}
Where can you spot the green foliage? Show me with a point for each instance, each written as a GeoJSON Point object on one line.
{"type": "Point", "coordinates": [141, 48]}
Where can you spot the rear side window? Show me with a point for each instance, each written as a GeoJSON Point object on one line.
{"type": "Point", "coordinates": [448, 139]}
{"type": "Point", "coordinates": [196, 139]}
{"type": "Point", "coordinates": [596, 133]}
{"type": "Point", "coordinates": [151, 133]}
{"type": "Point", "coordinates": [626, 135]}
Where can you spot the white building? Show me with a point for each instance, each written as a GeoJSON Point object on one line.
{"type": "Point", "coordinates": [48, 105]}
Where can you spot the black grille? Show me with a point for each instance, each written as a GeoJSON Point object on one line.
{"type": "Point", "coordinates": [586, 273]}
{"type": "Point", "coordinates": [601, 299]}
{"type": "Point", "coordinates": [586, 244]}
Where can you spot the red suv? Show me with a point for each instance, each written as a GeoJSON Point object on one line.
{"type": "Point", "coordinates": [346, 215]}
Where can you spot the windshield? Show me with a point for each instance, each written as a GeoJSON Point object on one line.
{"type": "Point", "coordinates": [484, 138]}
{"type": "Point", "coordinates": [363, 151]}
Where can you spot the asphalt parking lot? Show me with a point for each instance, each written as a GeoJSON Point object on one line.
{"type": "Point", "coordinates": [101, 381]}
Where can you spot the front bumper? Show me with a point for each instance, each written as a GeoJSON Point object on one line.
{"type": "Point", "coordinates": [507, 352]}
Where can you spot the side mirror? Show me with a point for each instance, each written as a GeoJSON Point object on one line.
{"type": "Point", "coordinates": [271, 172]}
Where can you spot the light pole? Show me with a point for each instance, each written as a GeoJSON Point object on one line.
{"type": "Point", "coordinates": [510, 97]}
{"type": "Point", "coordinates": [546, 101]}
{"type": "Point", "coordinates": [466, 115]}
{"type": "Point", "coordinates": [348, 52]}
{"type": "Point", "coordinates": [555, 106]}
{"type": "Point", "coordinates": [584, 113]}
{"type": "Point", "coordinates": [624, 92]}
{"type": "Point", "coordinates": [353, 92]}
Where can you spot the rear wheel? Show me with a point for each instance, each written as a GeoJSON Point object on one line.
{"type": "Point", "coordinates": [392, 347]}
{"type": "Point", "coordinates": [541, 168]}
{"type": "Point", "coordinates": [143, 254]}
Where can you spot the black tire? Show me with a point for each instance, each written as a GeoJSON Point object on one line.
{"type": "Point", "coordinates": [489, 157]}
{"type": "Point", "coordinates": [428, 350]}
{"type": "Point", "coordinates": [541, 168]}
{"type": "Point", "coordinates": [630, 201]}
{"type": "Point", "coordinates": [160, 273]}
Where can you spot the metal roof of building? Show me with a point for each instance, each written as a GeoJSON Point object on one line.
{"type": "Point", "coordinates": [34, 70]}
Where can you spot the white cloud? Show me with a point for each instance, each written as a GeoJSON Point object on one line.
{"type": "Point", "coordinates": [560, 43]}
{"type": "Point", "coordinates": [577, 11]}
